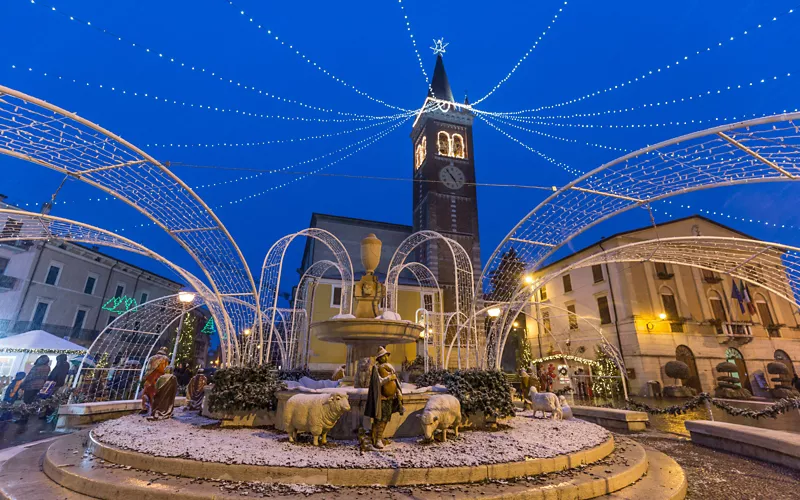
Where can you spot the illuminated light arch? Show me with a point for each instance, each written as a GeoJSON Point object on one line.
{"type": "Point", "coordinates": [133, 335]}
{"type": "Point", "coordinates": [759, 150]}
{"type": "Point", "coordinates": [302, 302]}
{"type": "Point", "coordinates": [46, 135]}
{"type": "Point", "coordinates": [464, 279]}
{"type": "Point", "coordinates": [271, 277]}
{"type": "Point", "coordinates": [42, 227]}
{"type": "Point", "coordinates": [774, 267]}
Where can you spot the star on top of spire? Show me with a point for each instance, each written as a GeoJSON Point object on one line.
{"type": "Point", "coordinates": [439, 46]}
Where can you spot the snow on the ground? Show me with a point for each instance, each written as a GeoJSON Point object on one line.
{"type": "Point", "coordinates": [184, 437]}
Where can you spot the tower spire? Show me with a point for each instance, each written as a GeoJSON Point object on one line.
{"type": "Point", "coordinates": [440, 85]}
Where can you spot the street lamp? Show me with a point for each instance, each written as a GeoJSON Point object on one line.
{"type": "Point", "coordinates": [493, 312]}
{"type": "Point", "coordinates": [185, 298]}
{"type": "Point", "coordinates": [662, 316]}
{"type": "Point", "coordinates": [529, 279]}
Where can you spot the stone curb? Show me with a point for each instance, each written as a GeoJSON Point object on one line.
{"type": "Point", "coordinates": [130, 484]}
{"type": "Point", "coordinates": [347, 477]}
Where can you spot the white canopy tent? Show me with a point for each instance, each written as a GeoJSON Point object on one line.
{"type": "Point", "coordinates": [19, 351]}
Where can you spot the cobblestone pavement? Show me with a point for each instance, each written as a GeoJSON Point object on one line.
{"type": "Point", "coordinates": [717, 475]}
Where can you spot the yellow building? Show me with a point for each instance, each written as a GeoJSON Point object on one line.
{"type": "Point", "coordinates": [655, 313]}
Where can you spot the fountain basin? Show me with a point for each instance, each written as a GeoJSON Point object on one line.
{"type": "Point", "coordinates": [366, 330]}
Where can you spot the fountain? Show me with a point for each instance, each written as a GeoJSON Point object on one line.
{"type": "Point", "coordinates": [369, 328]}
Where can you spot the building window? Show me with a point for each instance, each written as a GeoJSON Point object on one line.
{"type": "Point", "coordinates": [53, 273]}
{"type": "Point", "coordinates": [91, 283]}
{"type": "Point", "coordinates": [11, 228]}
{"type": "Point", "coordinates": [421, 152]}
{"type": "Point", "coordinates": [427, 301]}
{"type": "Point", "coordinates": [458, 149]}
{"type": "Point", "coordinates": [766, 317]}
{"type": "Point", "coordinates": [602, 308]}
{"type": "Point", "coordinates": [597, 273]}
{"type": "Point", "coordinates": [573, 318]}
{"type": "Point", "coordinates": [443, 143]}
{"type": "Point", "coordinates": [144, 297]}
{"type": "Point", "coordinates": [710, 276]}
{"type": "Point", "coordinates": [546, 321]}
{"type": "Point", "coordinates": [111, 318]}
{"type": "Point", "coordinates": [336, 297]}
{"type": "Point", "coordinates": [543, 293]}
{"type": "Point", "coordinates": [662, 272]}
{"type": "Point", "coordinates": [718, 311]}
{"type": "Point", "coordinates": [120, 291]}
{"type": "Point", "coordinates": [567, 280]}
{"type": "Point", "coordinates": [77, 324]}
{"type": "Point", "coordinates": [39, 314]}
{"type": "Point", "coordinates": [671, 310]}
{"type": "Point", "coordinates": [3, 265]}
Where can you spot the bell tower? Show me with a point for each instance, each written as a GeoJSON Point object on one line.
{"type": "Point", "coordinates": [445, 198]}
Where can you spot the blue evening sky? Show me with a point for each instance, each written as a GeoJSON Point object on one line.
{"type": "Point", "coordinates": [593, 45]}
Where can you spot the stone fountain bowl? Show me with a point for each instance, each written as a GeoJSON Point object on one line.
{"type": "Point", "coordinates": [366, 330]}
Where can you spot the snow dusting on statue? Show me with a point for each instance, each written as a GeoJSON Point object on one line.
{"type": "Point", "coordinates": [384, 397]}
{"type": "Point", "coordinates": [315, 414]}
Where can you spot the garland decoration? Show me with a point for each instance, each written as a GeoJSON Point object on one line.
{"type": "Point", "coordinates": [566, 357]}
{"type": "Point", "coordinates": [778, 408]}
{"type": "Point", "coordinates": [39, 405]}
{"type": "Point", "coordinates": [43, 351]}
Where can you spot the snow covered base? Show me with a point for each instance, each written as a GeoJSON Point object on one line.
{"type": "Point", "coordinates": [185, 436]}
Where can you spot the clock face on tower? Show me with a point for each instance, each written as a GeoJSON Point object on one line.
{"type": "Point", "coordinates": [452, 177]}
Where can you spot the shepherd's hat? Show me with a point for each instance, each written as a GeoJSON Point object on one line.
{"type": "Point", "coordinates": [163, 351]}
{"type": "Point", "coordinates": [382, 352]}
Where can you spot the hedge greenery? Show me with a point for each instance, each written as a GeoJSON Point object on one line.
{"type": "Point", "coordinates": [245, 388]}
{"type": "Point", "coordinates": [476, 390]}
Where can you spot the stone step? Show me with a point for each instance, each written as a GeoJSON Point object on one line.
{"type": "Point", "coordinates": [665, 480]}
{"type": "Point", "coordinates": [66, 463]}
{"type": "Point", "coordinates": [21, 477]}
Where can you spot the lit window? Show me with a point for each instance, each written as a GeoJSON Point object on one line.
{"type": "Point", "coordinates": [427, 301]}
{"type": "Point", "coordinates": [573, 318]}
{"type": "Point", "coordinates": [336, 297]}
{"type": "Point", "coordinates": [546, 321]}
{"type": "Point", "coordinates": [458, 146]}
{"type": "Point", "coordinates": [444, 143]}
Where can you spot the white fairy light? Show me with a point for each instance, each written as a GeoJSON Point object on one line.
{"type": "Point", "coordinates": [414, 44]}
{"type": "Point", "coordinates": [574, 141]}
{"type": "Point", "coordinates": [653, 72]}
{"type": "Point", "coordinates": [200, 69]}
{"type": "Point", "coordinates": [208, 107]}
{"type": "Point", "coordinates": [439, 46]}
{"type": "Point", "coordinates": [655, 104]}
{"type": "Point", "coordinates": [265, 143]}
{"type": "Point", "coordinates": [319, 67]}
{"type": "Point", "coordinates": [521, 59]}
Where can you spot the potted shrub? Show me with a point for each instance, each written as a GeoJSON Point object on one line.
{"type": "Point", "coordinates": [728, 386]}
{"type": "Point", "coordinates": [678, 370]}
{"type": "Point", "coordinates": [782, 380]}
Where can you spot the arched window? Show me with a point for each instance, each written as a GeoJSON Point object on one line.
{"type": "Point", "coordinates": [780, 355]}
{"type": "Point", "coordinates": [418, 156]}
{"type": "Point", "coordinates": [424, 145]}
{"type": "Point", "coordinates": [458, 146]}
{"type": "Point", "coordinates": [717, 310]}
{"type": "Point", "coordinates": [444, 143]}
{"type": "Point", "coordinates": [683, 353]}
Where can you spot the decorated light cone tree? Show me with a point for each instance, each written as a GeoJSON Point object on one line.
{"type": "Point", "coordinates": [505, 280]}
{"type": "Point", "coordinates": [606, 380]}
{"type": "Point", "coordinates": [185, 352]}
{"type": "Point", "coordinates": [678, 370]}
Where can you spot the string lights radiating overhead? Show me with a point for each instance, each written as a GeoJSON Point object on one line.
{"type": "Point", "coordinates": [649, 74]}
{"type": "Point", "coordinates": [414, 44]}
{"type": "Point", "coordinates": [564, 139]}
{"type": "Point", "coordinates": [308, 60]}
{"type": "Point", "coordinates": [655, 104]}
{"type": "Point", "coordinates": [209, 107]}
{"type": "Point", "coordinates": [523, 58]}
{"type": "Point", "coordinates": [176, 61]}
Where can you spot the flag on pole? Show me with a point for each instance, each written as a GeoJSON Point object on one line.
{"type": "Point", "coordinates": [736, 295]}
{"type": "Point", "coordinates": [751, 307]}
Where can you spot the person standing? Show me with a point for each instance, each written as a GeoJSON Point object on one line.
{"type": "Point", "coordinates": [36, 378]}
{"type": "Point", "coordinates": [60, 372]}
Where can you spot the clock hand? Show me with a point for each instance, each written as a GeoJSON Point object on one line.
{"type": "Point", "coordinates": [452, 177]}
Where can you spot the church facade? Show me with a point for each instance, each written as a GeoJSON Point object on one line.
{"type": "Point", "coordinates": [444, 199]}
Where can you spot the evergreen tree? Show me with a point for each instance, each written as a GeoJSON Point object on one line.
{"type": "Point", "coordinates": [605, 387]}
{"type": "Point", "coordinates": [185, 352]}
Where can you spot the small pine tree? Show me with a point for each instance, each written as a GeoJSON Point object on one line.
{"type": "Point", "coordinates": [185, 352]}
{"type": "Point", "coordinates": [524, 352]}
{"type": "Point", "coordinates": [603, 386]}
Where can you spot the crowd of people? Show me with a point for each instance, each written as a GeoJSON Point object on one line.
{"type": "Point", "coordinates": [39, 383]}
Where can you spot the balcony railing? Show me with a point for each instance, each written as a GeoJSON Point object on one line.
{"type": "Point", "coordinates": [734, 330]}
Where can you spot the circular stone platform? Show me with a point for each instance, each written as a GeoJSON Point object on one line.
{"type": "Point", "coordinates": [187, 446]}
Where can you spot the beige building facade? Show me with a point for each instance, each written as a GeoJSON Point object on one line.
{"type": "Point", "coordinates": [655, 313]}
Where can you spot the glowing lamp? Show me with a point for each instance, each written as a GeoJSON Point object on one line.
{"type": "Point", "coordinates": [422, 335]}
{"type": "Point", "coordinates": [493, 312]}
{"type": "Point", "coordinates": [247, 331]}
{"type": "Point", "coordinates": [662, 316]}
{"type": "Point", "coordinates": [529, 279]}
{"type": "Point", "coordinates": [186, 297]}
{"type": "Point", "coordinates": [516, 324]}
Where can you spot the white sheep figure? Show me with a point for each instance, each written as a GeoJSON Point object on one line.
{"type": "Point", "coordinates": [545, 402]}
{"type": "Point", "coordinates": [313, 413]}
{"type": "Point", "coordinates": [441, 412]}
{"type": "Point", "coordinates": [566, 411]}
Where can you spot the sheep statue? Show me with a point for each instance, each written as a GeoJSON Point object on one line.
{"type": "Point", "coordinates": [566, 411]}
{"type": "Point", "coordinates": [441, 412]}
{"type": "Point", "coordinates": [313, 413]}
{"type": "Point", "coordinates": [545, 402]}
